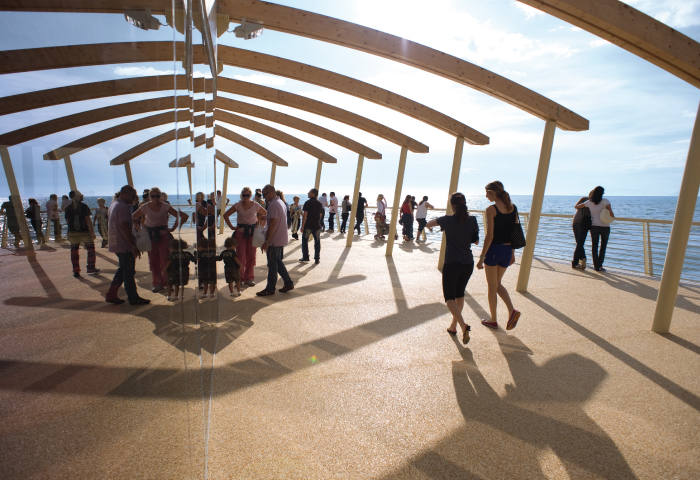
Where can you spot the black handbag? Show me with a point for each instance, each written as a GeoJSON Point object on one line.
{"type": "Point", "coordinates": [517, 237]}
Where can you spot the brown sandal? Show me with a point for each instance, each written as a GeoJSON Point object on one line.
{"type": "Point", "coordinates": [465, 337]}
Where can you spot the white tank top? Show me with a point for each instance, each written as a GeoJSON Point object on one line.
{"type": "Point", "coordinates": [422, 210]}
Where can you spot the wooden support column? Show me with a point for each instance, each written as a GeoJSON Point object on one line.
{"type": "Point", "coordinates": [189, 178]}
{"type": "Point", "coordinates": [17, 202]}
{"type": "Point", "coordinates": [317, 185]}
{"type": "Point", "coordinates": [71, 175]}
{"type": "Point", "coordinates": [680, 233]}
{"type": "Point", "coordinates": [533, 222]}
{"type": "Point", "coordinates": [129, 178]}
{"type": "Point", "coordinates": [223, 200]}
{"type": "Point", "coordinates": [355, 199]}
{"type": "Point", "coordinates": [454, 182]}
{"type": "Point", "coordinates": [273, 172]}
{"type": "Point", "coordinates": [395, 212]}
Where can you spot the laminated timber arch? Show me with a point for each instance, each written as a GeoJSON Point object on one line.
{"type": "Point", "coordinates": [248, 124]}
{"type": "Point", "coordinates": [75, 120]}
{"type": "Point", "coordinates": [118, 131]}
{"type": "Point", "coordinates": [127, 86]}
{"type": "Point", "coordinates": [339, 32]}
{"type": "Point", "coordinates": [249, 144]}
{"type": "Point", "coordinates": [149, 145]}
{"type": "Point", "coordinates": [16, 61]}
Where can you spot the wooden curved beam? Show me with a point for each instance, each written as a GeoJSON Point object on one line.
{"type": "Point", "coordinates": [248, 124]}
{"type": "Point", "coordinates": [88, 91]}
{"type": "Point", "coordinates": [148, 145]}
{"type": "Point", "coordinates": [223, 103]}
{"type": "Point", "coordinates": [91, 116]}
{"type": "Point", "coordinates": [15, 61]}
{"type": "Point", "coordinates": [632, 30]}
{"type": "Point", "coordinates": [116, 131]}
{"type": "Point", "coordinates": [220, 131]}
{"type": "Point", "coordinates": [223, 158]}
{"type": "Point", "coordinates": [333, 30]}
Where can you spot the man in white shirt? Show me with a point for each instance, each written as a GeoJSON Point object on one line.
{"type": "Point", "coordinates": [324, 203]}
{"type": "Point", "coordinates": [332, 210]}
{"type": "Point", "coordinates": [54, 217]}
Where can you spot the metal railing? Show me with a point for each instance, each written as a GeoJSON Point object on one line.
{"type": "Point", "coordinates": [636, 244]}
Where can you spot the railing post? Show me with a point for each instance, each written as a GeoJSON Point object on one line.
{"type": "Point", "coordinates": [645, 227]}
{"type": "Point", "coordinates": [366, 225]}
{"type": "Point", "coordinates": [536, 207]}
{"type": "Point", "coordinates": [680, 233]}
{"type": "Point", "coordinates": [486, 225]}
{"type": "Point", "coordinates": [46, 235]}
{"type": "Point", "coordinates": [651, 260]}
{"type": "Point", "coordinates": [395, 210]}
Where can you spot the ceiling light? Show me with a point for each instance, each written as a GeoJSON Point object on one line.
{"type": "Point", "coordinates": [142, 20]}
{"type": "Point", "coordinates": [248, 30]}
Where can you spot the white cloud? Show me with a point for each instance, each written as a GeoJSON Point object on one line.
{"type": "Point", "coordinates": [261, 79]}
{"type": "Point", "coordinates": [141, 71]}
{"type": "Point", "coordinates": [514, 73]}
{"type": "Point", "coordinates": [598, 43]}
{"type": "Point", "coordinates": [528, 10]}
{"type": "Point", "coordinates": [675, 13]}
{"type": "Point", "coordinates": [575, 29]}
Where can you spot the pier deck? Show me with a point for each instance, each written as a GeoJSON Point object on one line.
{"type": "Point", "coordinates": [349, 376]}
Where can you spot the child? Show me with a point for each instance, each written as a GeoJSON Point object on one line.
{"type": "Point", "coordinates": [206, 256]}
{"type": "Point", "coordinates": [178, 267]}
{"type": "Point", "coordinates": [232, 266]}
{"type": "Point", "coordinates": [101, 220]}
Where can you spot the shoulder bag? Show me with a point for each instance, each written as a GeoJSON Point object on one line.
{"type": "Point", "coordinates": [517, 237]}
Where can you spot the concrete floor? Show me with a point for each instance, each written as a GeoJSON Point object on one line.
{"type": "Point", "coordinates": [349, 376]}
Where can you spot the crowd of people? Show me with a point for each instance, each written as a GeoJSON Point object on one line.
{"type": "Point", "coordinates": [265, 220]}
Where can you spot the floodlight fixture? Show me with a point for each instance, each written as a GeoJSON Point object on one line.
{"type": "Point", "coordinates": [248, 30]}
{"type": "Point", "coordinates": [142, 20]}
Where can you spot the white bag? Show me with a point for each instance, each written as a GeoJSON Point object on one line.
{"type": "Point", "coordinates": [143, 241]}
{"type": "Point", "coordinates": [259, 237]}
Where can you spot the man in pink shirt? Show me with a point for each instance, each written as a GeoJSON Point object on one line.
{"type": "Point", "coordinates": [123, 243]}
{"type": "Point", "coordinates": [276, 239]}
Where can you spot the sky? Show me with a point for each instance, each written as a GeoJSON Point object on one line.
{"type": "Point", "coordinates": [641, 117]}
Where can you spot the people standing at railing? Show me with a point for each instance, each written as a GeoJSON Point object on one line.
{"type": "Point", "coordinates": [65, 201]}
{"type": "Point", "coordinates": [53, 217]}
{"type": "Point", "coordinates": [247, 211]}
{"type": "Point", "coordinates": [8, 208]}
{"type": "Point", "coordinates": [380, 218]}
{"type": "Point", "coordinates": [497, 253]}
{"type": "Point", "coordinates": [311, 225]}
{"type": "Point", "coordinates": [461, 230]}
{"type": "Point", "coordinates": [123, 243]}
{"type": "Point", "coordinates": [100, 219]}
{"type": "Point", "coordinates": [332, 210]}
{"type": "Point", "coordinates": [156, 214]}
{"type": "Point", "coordinates": [581, 224]}
{"type": "Point", "coordinates": [421, 216]}
{"type": "Point", "coordinates": [295, 212]}
{"type": "Point", "coordinates": [600, 230]}
{"type": "Point", "coordinates": [345, 208]}
{"type": "Point", "coordinates": [33, 213]}
{"type": "Point", "coordinates": [324, 203]}
{"type": "Point", "coordinates": [407, 219]}
{"type": "Point", "coordinates": [360, 215]}
{"type": "Point", "coordinates": [80, 230]}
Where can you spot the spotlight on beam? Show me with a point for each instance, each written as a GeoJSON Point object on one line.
{"type": "Point", "coordinates": [248, 30]}
{"type": "Point", "coordinates": [142, 20]}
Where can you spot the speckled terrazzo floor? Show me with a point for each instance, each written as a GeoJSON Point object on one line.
{"type": "Point", "coordinates": [349, 376]}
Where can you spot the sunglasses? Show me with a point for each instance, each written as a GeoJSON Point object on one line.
{"type": "Point", "coordinates": [245, 195]}
{"type": "Point", "coordinates": [155, 196]}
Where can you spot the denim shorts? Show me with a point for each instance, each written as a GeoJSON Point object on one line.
{"type": "Point", "coordinates": [498, 254]}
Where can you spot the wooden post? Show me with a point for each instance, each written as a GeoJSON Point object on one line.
{"type": "Point", "coordinates": [355, 198]}
{"type": "Point", "coordinates": [129, 178]}
{"type": "Point", "coordinates": [273, 171]}
{"type": "Point", "coordinates": [680, 233]}
{"type": "Point", "coordinates": [17, 202]}
{"type": "Point", "coordinates": [189, 177]}
{"type": "Point", "coordinates": [223, 200]}
{"type": "Point", "coordinates": [4, 233]}
{"type": "Point", "coordinates": [454, 182]}
{"type": "Point", "coordinates": [395, 212]}
{"type": "Point", "coordinates": [71, 175]}
{"type": "Point", "coordinates": [317, 185]}
{"type": "Point", "coordinates": [533, 222]}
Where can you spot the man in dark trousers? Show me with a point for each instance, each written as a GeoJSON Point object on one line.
{"type": "Point", "coordinates": [80, 230]}
{"type": "Point", "coordinates": [311, 225]}
{"type": "Point", "coordinates": [361, 204]}
{"type": "Point", "coordinates": [123, 243]}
